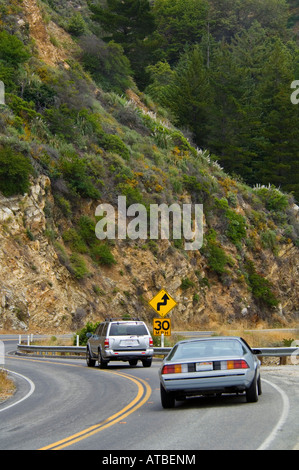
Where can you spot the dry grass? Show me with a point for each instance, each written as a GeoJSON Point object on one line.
{"type": "Point", "coordinates": [263, 338]}
{"type": "Point", "coordinates": [51, 341]}
{"type": "Point", "coordinates": [7, 386]}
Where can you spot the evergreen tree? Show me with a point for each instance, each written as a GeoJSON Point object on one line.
{"type": "Point", "coordinates": [189, 93]}
{"type": "Point", "coordinates": [128, 23]}
{"type": "Point", "coordinates": [279, 144]}
{"type": "Point", "coordinates": [179, 23]}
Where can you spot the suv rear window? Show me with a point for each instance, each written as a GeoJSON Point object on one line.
{"type": "Point", "coordinates": [124, 330]}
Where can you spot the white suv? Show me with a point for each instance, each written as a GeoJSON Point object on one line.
{"type": "Point", "coordinates": [120, 340]}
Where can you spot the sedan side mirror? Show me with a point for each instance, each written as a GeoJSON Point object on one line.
{"type": "Point", "coordinates": [258, 352]}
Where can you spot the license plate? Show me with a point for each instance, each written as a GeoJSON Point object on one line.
{"type": "Point", "coordinates": [129, 342]}
{"type": "Point", "coordinates": [201, 366]}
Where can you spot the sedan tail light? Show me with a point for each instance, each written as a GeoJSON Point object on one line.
{"type": "Point", "coordinates": [174, 368]}
{"type": "Point", "coordinates": [216, 365]}
{"type": "Point", "coordinates": [234, 364]}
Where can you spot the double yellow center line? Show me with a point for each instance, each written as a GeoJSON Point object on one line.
{"type": "Point", "coordinates": [144, 391]}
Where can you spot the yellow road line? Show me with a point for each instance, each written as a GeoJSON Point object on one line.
{"type": "Point", "coordinates": [135, 404]}
{"type": "Point", "coordinates": [144, 390]}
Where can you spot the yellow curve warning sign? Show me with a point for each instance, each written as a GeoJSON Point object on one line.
{"type": "Point", "coordinates": [162, 303]}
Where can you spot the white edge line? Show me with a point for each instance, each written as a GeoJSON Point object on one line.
{"type": "Point", "coordinates": [282, 419]}
{"type": "Point", "coordinates": [32, 388]}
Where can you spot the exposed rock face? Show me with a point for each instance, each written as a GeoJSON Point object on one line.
{"type": "Point", "coordinates": [42, 34]}
{"type": "Point", "coordinates": [38, 292]}
{"type": "Point", "coordinates": [36, 289]}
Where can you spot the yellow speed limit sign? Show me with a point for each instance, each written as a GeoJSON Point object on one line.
{"type": "Point", "coordinates": [161, 326]}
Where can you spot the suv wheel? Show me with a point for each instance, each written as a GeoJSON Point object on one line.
{"type": "Point", "coordinates": [133, 362]}
{"type": "Point", "coordinates": [147, 362]}
{"type": "Point", "coordinates": [102, 362]}
{"type": "Point", "coordinates": [89, 360]}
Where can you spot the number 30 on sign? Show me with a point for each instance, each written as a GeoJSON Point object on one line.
{"type": "Point", "coordinates": [161, 326]}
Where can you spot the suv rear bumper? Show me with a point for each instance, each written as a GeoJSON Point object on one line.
{"type": "Point", "coordinates": [127, 355]}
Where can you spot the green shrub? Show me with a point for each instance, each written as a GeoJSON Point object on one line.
{"type": "Point", "coordinates": [133, 195]}
{"type": "Point", "coordinates": [217, 259]}
{"type": "Point", "coordinates": [269, 239]}
{"type": "Point", "coordinates": [12, 50]}
{"type": "Point", "coordinates": [76, 25]}
{"type": "Point", "coordinates": [75, 241]}
{"type": "Point", "coordinates": [22, 108]}
{"type": "Point", "coordinates": [64, 206]}
{"type": "Point", "coordinates": [87, 229]}
{"type": "Point", "coordinates": [101, 254]}
{"type": "Point", "coordinates": [106, 62]}
{"type": "Point", "coordinates": [237, 226]}
{"type": "Point", "coordinates": [186, 283]}
{"type": "Point", "coordinates": [114, 144]}
{"type": "Point", "coordinates": [201, 186]}
{"type": "Point", "coordinates": [78, 266]}
{"type": "Point", "coordinates": [15, 170]}
{"type": "Point", "coordinates": [260, 286]}
{"type": "Point", "coordinates": [274, 199]}
{"type": "Point", "coordinates": [74, 170]}
{"type": "Point", "coordinates": [88, 328]}
{"type": "Point", "coordinates": [216, 256]}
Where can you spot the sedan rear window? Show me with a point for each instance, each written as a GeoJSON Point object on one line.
{"type": "Point", "coordinates": [127, 330]}
{"type": "Point", "coordinates": [208, 349]}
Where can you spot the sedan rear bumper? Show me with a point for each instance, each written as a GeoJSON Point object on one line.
{"type": "Point", "coordinates": [215, 381]}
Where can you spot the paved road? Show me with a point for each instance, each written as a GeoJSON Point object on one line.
{"type": "Point", "coordinates": [62, 404]}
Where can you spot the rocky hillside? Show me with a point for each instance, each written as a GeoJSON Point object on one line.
{"type": "Point", "coordinates": [86, 146]}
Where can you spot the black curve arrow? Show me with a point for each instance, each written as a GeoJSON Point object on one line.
{"type": "Point", "coordinates": [160, 304]}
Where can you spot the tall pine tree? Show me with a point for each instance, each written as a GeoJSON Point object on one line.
{"type": "Point", "coordinates": [128, 23]}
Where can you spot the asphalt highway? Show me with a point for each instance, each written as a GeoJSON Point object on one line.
{"type": "Point", "coordinates": [63, 404]}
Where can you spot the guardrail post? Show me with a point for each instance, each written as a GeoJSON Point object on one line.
{"type": "Point", "coordinates": [2, 353]}
{"type": "Point", "coordinates": [28, 340]}
{"type": "Point", "coordinates": [77, 340]}
{"type": "Point", "coordinates": [162, 340]}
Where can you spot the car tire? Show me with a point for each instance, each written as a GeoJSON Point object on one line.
{"type": "Point", "coordinates": [259, 385]}
{"type": "Point", "coordinates": [89, 360]}
{"type": "Point", "coordinates": [133, 362]}
{"type": "Point", "coordinates": [147, 362]}
{"type": "Point", "coordinates": [102, 362]}
{"type": "Point", "coordinates": [167, 400]}
{"type": "Point", "coordinates": [252, 391]}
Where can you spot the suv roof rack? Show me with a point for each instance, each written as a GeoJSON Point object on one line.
{"type": "Point", "coordinates": [122, 319]}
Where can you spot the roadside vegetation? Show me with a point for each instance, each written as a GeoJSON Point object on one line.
{"type": "Point", "coordinates": [7, 386]}
{"type": "Point", "coordinates": [118, 120]}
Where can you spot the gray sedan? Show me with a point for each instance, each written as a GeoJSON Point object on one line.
{"type": "Point", "coordinates": [205, 366]}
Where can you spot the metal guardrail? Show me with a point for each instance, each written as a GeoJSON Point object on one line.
{"type": "Point", "coordinates": [68, 351]}
{"type": "Point", "coordinates": [79, 351]}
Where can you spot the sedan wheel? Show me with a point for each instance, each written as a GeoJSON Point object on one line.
{"type": "Point", "coordinates": [252, 392]}
{"type": "Point", "coordinates": [259, 385]}
{"type": "Point", "coordinates": [167, 400]}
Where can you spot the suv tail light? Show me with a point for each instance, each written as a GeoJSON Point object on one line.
{"type": "Point", "coordinates": [151, 343]}
{"type": "Point", "coordinates": [106, 343]}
